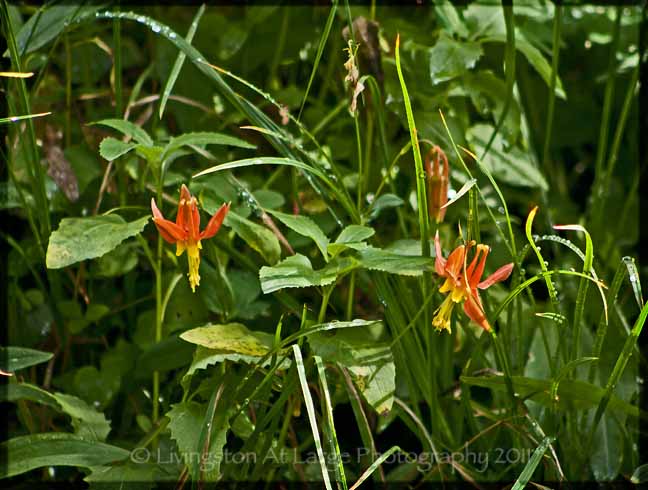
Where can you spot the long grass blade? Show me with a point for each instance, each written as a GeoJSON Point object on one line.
{"type": "Point", "coordinates": [532, 464]}
{"type": "Point", "coordinates": [310, 408]}
{"type": "Point", "coordinates": [318, 56]}
{"type": "Point", "coordinates": [177, 66]}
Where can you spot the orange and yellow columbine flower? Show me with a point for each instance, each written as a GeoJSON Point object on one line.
{"type": "Point", "coordinates": [463, 282]}
{"type": "Point", "coordinates": [185, 232]}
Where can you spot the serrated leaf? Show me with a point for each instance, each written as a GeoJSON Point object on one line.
{"type": "Point", "coordinates": [78, 239]}
{"type": "Point", "coordinates": [386, 201]}
{"type": "Point", "coordinates": [450, 58]}
{"type": "Point", "coordinates": [15, 358]}
{"type": "Point", "coordinates": [354, 234]}
{"type": "Point", "coordinates": [128, 128]}
{"type": "Point", "coordinates": [509, 165]}
{"type": "Point", "coordinates": [295, 272]}
{"type": "Point", "coordinates": [406, 265]}
{"type": "Point", "coordinates": [369, 360]}
{"type": "Point", "coordinates": [256, 236]}
{"type": "Point", "coordinates": [110, 148]}
{"type": "Point", "coordinates": [231, 337]}
{"type": "Point", "coordinates": [56, 449]}
{"type": "Point", "coordinates": [305, 227]}
{"type": "Point", "coordinates": [204, 138]}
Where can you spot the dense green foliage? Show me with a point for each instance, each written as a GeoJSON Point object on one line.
{"type": "Point", "coordinates": [308, 351]}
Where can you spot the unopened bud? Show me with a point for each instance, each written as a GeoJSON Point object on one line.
{"type": "Point", "coordinates": [438, 180]}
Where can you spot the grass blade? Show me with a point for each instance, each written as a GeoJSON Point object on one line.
{"type": "Point", "coordinates": [530, 467]}
{"type": "Point", "coordinates": [318, 56]}
{"type": "Point", "coordinates": [177, 66]}
{"type": "Point", "coordinates": [310, 408]}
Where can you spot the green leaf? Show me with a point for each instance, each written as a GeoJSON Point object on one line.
{"type": "Point", "coordinates": [572, 394]}
{"type": "Point", "coordinates": [256, 236]}
{"type": "Point", "coordinates": [450, 58]}
{"type": "Point", "coordinates": [449, 17]}
{"type": "Point", "coordinates": [406, 265]}
{"type": "Point", "coordinates": [369, 360]}
{"type": "Point", "coordinates": [204, 138]}
{"type": "Point", "coordinates": [354, 234]}
{"type": "Point", "coordinates": [117, 262]}
{"type": "Point", "coordinates": [532, 464]}
{"type": "Point", "coordinates": [296, 272]}
{"type": "Point", "coordinates": [186, 421]}
{"type": "Point", "coordinates": [607, 450]}
{"type": "Point", "coordinates": [385, 201]}
{"type": "Point", "coordinates": [79, 239]}
{"type": "Point", "coordinates": [47, 23]}
{"type": "Point", "coordinates": [488, 94]}
{"type": "Point", "coordinates": [534, 57]}
{"type": "Point", "coordinates": [56, 449]}
{"type": "Point", "coordinates": [305, 227]}
{"type": "Point", "coordinates": [128, 128]}
{"type": "Point", "coordinates": [110, 148]}
{"type": "Point", "coordinates": [134, 475]}
{"type": "Point", "coordinates": [231, 337]}
{"type": "Point", "coordinates": [87, 422]}
{"type": "Point", "coordinates": [509, 165]}
{"type": "Point", "coordinates": [15, 358]}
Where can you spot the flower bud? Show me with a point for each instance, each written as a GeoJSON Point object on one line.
{"type": "Point", "coordinates": [437, 180]}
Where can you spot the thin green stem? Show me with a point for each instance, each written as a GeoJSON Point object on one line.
{"type": "Point", "coordinates": [552, 88]}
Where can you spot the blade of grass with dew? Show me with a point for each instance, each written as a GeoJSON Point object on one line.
{"type": "Point", "coordinates": [619, 367]}
{"type": "Point", "coordinates": [566, 370]}
{"type": "Point", "coordinates": [328, 410]}
{"type": "Point", "coordinates": [12, 119]}
{"type": "Point", "coordinates": [177, 66]}
{"type": "Point", "coordinates": [532, 464]}
{"type": "Point", "coordinates": [582, 288]}
{"type": "Point", "coordinates": [318, 55]}
{"type": "Point", "coordinates": [310, 408]}
{"type": "Point", "coordinates": [420, 171]}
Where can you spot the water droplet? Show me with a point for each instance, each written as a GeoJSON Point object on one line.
{"type": "Point", "coordinates": [172, 35]}
{"type": "Point", "coordinates": [156, 28]}
{"type": "Point", "coordinates": [500, 210]}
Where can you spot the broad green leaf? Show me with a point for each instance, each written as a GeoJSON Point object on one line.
{"type": "Point", "coordinates": [256, 236]}
{"type": "Point", "coordinates": [449, 58]}
{"type": "Point", "coordinates": [572, 394]}
{"type": "Point", "coordinates": [510, 165]}
{"type": "Point", "coordinates": [607, 449]}
{"type": "Point", "coordinates": [186, 421]}
{"type": "Point", "coordinates": [79, 239]}
{"type": "Point", "coordinates": [449, 17]}
{"type": "Point", "coordinates": [488, 94]}
{"type": "Point", "coordinates": [110, 148]}
{"type": "Point", "coordinates": [15, 358]}
{"type": "Point", "coordinates": [128, 128]}
{"type": "Point", "coordinates": [117, 262]}
{"type": "Point", "coordinates": [296, 272]}
{"type": "Point", "coordinates": [369, 360]}
{"type": "Point", "coordinates": [139, 474]}
{"type": "Point", "coordinates": [47, 23]}
{"type": "Point", "coordinates": [406, 265]}
{"type": "Point", "coordinates": [305, 227]}
{"type": "Point", "coordinates": [355, 233]}
{"type": "Point", "coordinates": [232, 338]}
{"type": "Point", "coordinates": [26, 453]}
{"type": "Point", "coordinates": [204, 138]}
{"type": "Point", "coordinates": [533, 56]}
{"type": "Point", "coordinates": [386, 201]}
